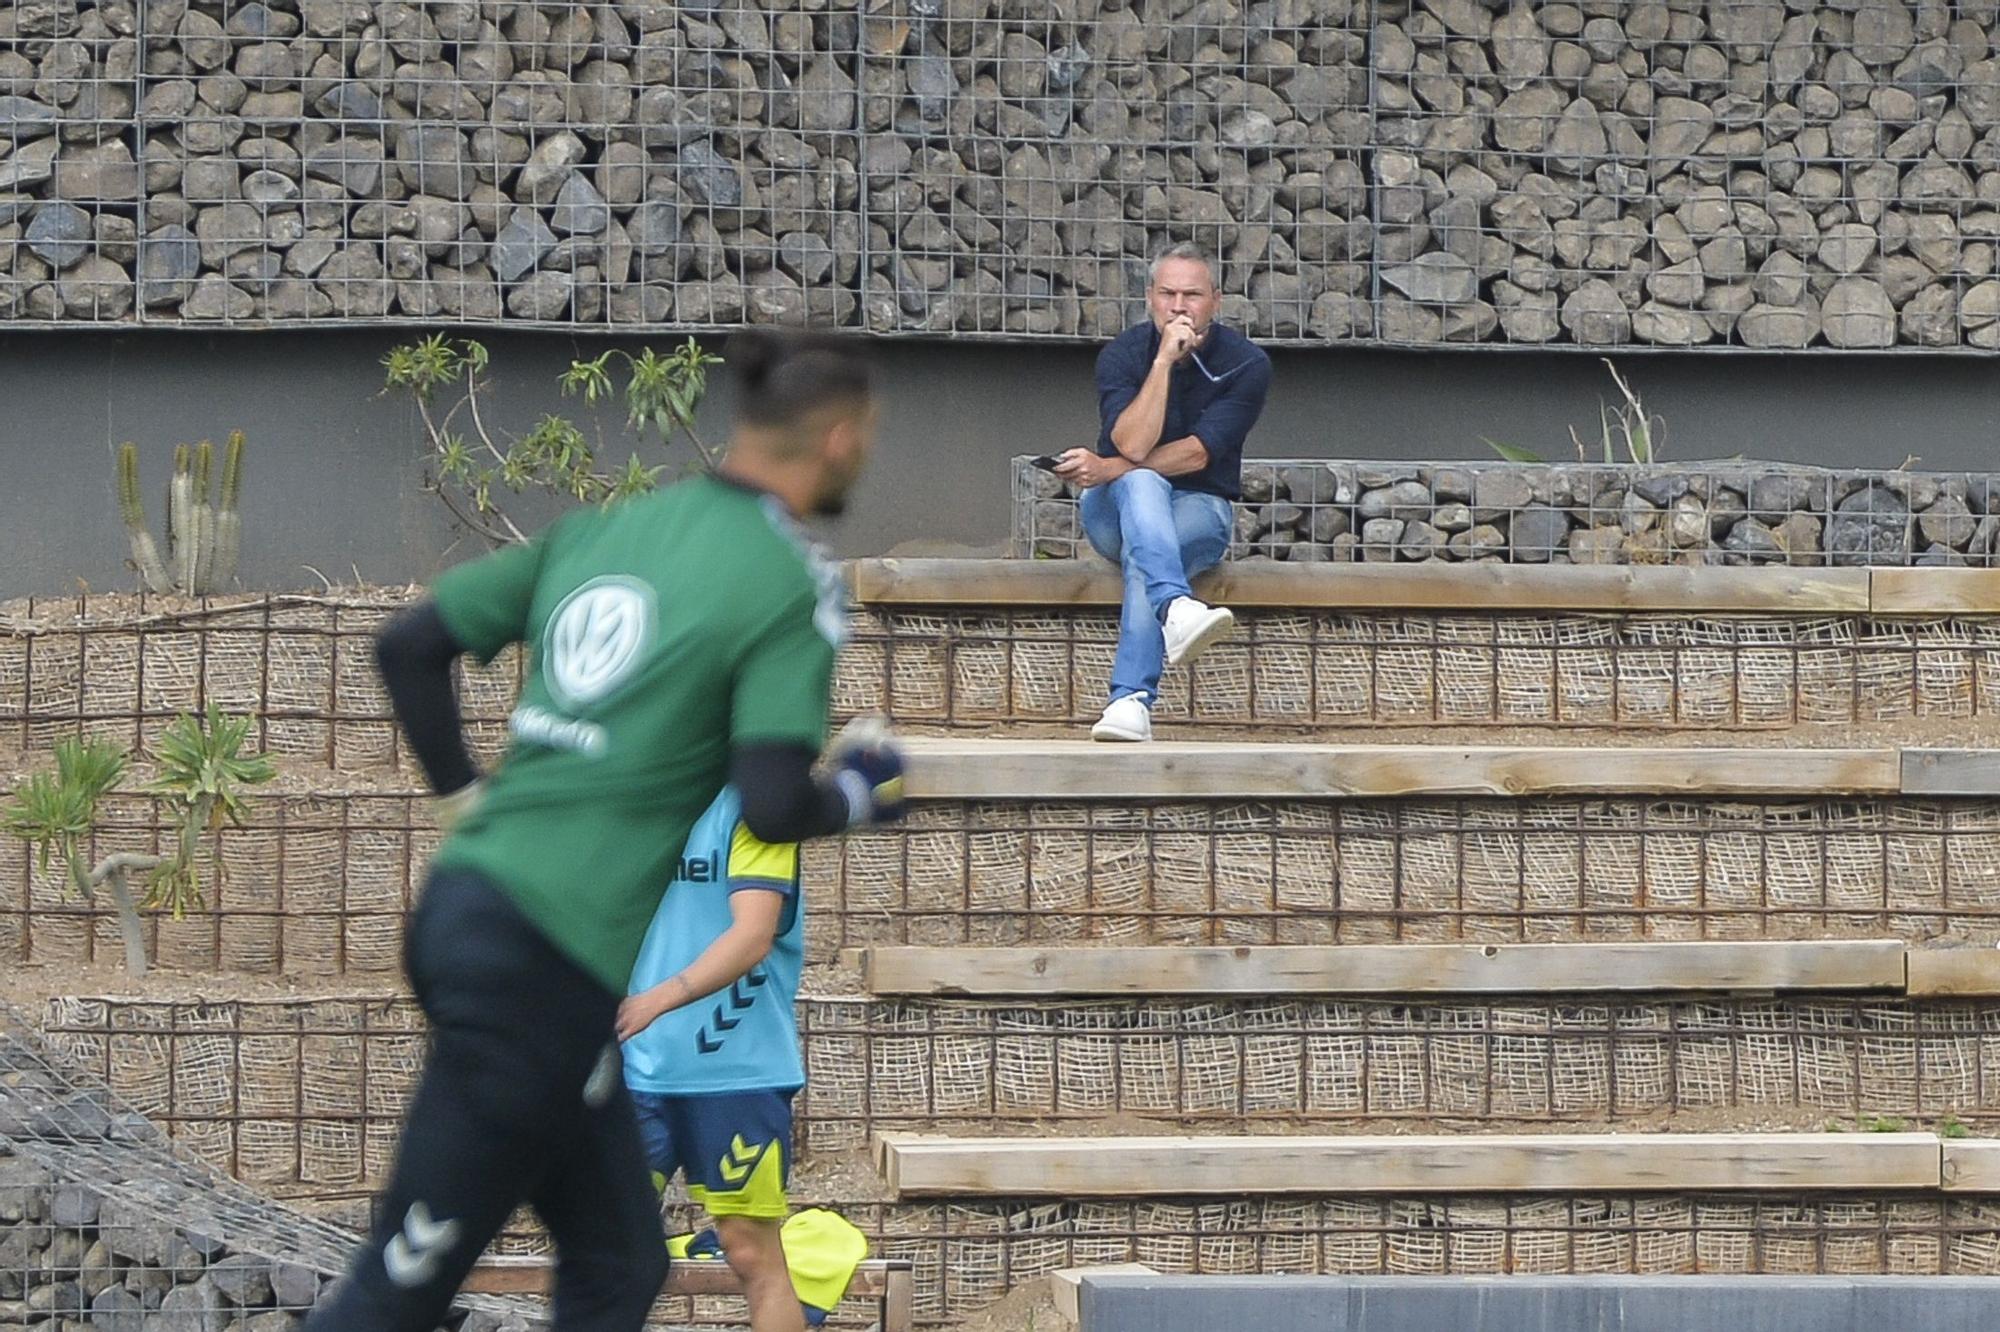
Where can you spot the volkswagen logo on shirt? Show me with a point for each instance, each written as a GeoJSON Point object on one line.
{"type": "Point", "coordinates": [596, 639]}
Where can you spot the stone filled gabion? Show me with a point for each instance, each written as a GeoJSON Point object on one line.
{"type": "Point", "coordinates": [1746, 173]}
{"type": "Point", "coordinates": [1728, 513]}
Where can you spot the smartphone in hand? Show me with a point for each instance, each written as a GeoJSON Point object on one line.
{"type": "Point", "coordinates": [1047, 462]}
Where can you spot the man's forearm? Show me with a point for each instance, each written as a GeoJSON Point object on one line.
{"type": "Point", "coordinates": [735, 951]}
{"type": "Point", "coordinates": [1178, 457]}
{"type": "Point", "coordinates": [1136, 432]}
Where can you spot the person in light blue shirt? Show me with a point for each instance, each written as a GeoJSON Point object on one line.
{"type": "Point", "coordinates": [711, 1044]}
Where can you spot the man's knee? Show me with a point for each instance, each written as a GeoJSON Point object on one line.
{"type": "Point", "coordinates": [754, 1246]}
{"type": "Point", "coordinates": [1143, 480]}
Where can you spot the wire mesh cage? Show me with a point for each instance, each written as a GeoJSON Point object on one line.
{"type": "Point", "coordinates": [1752, 514]}
{"type": "Point", "coordinates": [1730, 173]}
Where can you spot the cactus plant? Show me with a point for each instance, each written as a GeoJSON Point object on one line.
{"type": "Point", "coordinates": [202, 538]}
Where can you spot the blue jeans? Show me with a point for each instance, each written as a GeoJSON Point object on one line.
{"type": "Point", "coordinates": [1161, 537]}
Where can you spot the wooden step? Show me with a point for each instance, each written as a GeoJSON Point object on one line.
{"type": "Point", "coordinates": [272, 1089]}
{"type": "Point", "coordinates": [918, 1166]}
{"type": "Point", "coordinates": [1432, 970]}
{"type": "Point", "coordinates": [889, 1285]}
{"type": "Point", "coordinates": [979, 769]}
{"type": "Point", "coordinates": [1483, 586]}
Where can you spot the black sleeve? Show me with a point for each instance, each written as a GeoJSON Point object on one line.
{"type": "Point", "coordinates": [782, 800]}
{"type": "Point", "coordinates": [414, 652]}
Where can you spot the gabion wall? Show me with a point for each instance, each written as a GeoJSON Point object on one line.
{"type": "Point", "coordinates": [1753, 173]}
{"type": "Point", "coordinates": [1731, 512]}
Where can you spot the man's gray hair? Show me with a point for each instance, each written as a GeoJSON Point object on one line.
{"type": "Point", "coordinates": [1185, 250]}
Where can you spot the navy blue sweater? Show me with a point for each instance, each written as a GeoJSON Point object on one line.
{"type": "Point", "coordinates": [1215, 395]}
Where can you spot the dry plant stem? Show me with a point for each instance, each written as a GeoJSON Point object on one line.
{"type": "Point", "coordinates": [111, 872]}
{"type": "Point", "coordinates": [433, 429]}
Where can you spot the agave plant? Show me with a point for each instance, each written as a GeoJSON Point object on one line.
{"type": "Point", "coordinates": [202, 774]}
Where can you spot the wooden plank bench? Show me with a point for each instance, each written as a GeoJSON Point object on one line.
{"type": "Point", "coordinates": [914, 1165]}
{"type": "Point", "coordinates": [1756, 966]}
{"type": "Point", "coordinates": [979, 769]}
{"type": "Point", "coordinates": [891, 1282]}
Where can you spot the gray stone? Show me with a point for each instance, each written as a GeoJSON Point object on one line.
{"type": "Point", "coordinates": [294, 1285]}
{"type": "Point", "coordinates": [1752, 542]}
{"type": "Point", "coordinates": [826, 97]}
{"type": "Point", "coordinates": [1771, 326]}
{"type": "Point", "coordinates": [60, 233]}
{"type": "Point", "coordinates": [191, 1308]}
{"type": "Point", "coordinates": [1595, 315]}
{"type": "Point", "coordinates": [30, 164]}
{"type": "Point", "coordinates": [1379, 537]}
{"type": "Point", "coordinates": [549, 168]}
{"type": "Point", "coordinates": [655, 227]}
{"type": "Point", "coordinates": [545, 296]}
{"type": "Point", "coordinates": [1434, 279]}
{"type": "Point", "coordinates": [354, 164]}
{"type": "Point", "coordinates": [1782, 492]}
{"type": "Point", "coordinates": [708, 179]}
{"type": "Point", "coordinates": [1405, 500]}
{"type": "Point", "coordinates": [580, 209]}
{"type": "Point", "coordinates": [1326, 523]}
{"type": "Point", "coordinates": [1949, 522]}
{"type": "Point", "coordinates": [23, 118]}
{"type": "Point", "coordinates": [1498, 492]}
{"type": "Point", "coordinates": [269, 188]}
{"type": "Point", "coordinates": [1523, 121]}
{"type": "Point", "coordinates": [99, 173]}
{"type": "Point", "coordinates": [1278, 518]}
{"type": "Point", "coordinates": [97, 288]}
{"type": "Point", "coordinates": [1781, 281]}
{"type": "Point", "coordinates": [1665, 326]}
{"type": "Point", "coordinates": [242, 1278]}
{"type": "Point", "coordinates": [521, 245]}
{"type": "Point", "coordinates": [1537, 532]}
{"type": "Point", "coordinates": [1871, 526]}
{"type": "Point", "coordinates": [116, 1309]}
{"type": "Point", "coordinates": [355, 281]}
{"type": "Point", "coordinates": [1847, 248]}
{"type": "Point", "coordinates": [1452, 517]}
{"type": "Point", "coordinates": [805, 256]}
{"type": "Point", "coordinates": [1313, 485]}
{"type": "Point", "coordinates": [1857, 313]}
{"type": "Point", "coordinates": [169, 263]}
{"type": "Point", "coordinates": [1420, 541]}
{"type": "Point", "coordinates": [1596, 545]}
{"type": "Point", "coordinates": [214, 298]}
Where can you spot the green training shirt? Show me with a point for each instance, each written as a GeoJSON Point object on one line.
{"type": "Point", "coordinates": [661, 632]}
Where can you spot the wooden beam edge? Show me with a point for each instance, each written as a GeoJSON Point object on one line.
{"type": "Point", "coordinates": [1583, 1163]}
{"type": "Point", "coordinates": [1927, 591]}
{"type": "Point", "coordinates": [958, 768]}
{"type": "Point", "coordinates": [1970, 1165]}
{"type": "Point", "coordinates": [1938, 973]}
{"type": "Point", "coordinates": [1760, 966]}
{"type": "Point", "coordinates": [1054, 584]}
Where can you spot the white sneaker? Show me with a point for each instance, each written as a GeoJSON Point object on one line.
{"type": "Point", "coordinates": [1191, 626]}
{"type": "Point", "coordinates": [1128, 718]}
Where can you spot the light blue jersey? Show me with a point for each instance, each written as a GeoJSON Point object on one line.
{"type": "Point", "coordinates": [744, 1037]}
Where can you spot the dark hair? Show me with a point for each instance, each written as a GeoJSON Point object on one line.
{"type": "Point", "coordinates": [782, 377]}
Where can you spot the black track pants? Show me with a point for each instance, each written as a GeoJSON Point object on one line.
{"type": "Point", "coordinates": [522, 1099]}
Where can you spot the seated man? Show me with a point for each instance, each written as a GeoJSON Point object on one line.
{"type": "Point", "coordinates": [712, 1044]}
{"type": "Point", "coordinates": [1177, 396]}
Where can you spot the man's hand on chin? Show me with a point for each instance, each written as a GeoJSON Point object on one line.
{"type": "Point", "coordinates": [1084, 469]}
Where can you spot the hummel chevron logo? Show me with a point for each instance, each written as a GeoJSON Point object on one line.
{"type": "Point", "coordinates": [414, 1252]}
{"type": "Point", "coordinates": [736, 1163]}
{"type": "Point", "coordinates": [725, 1023]}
